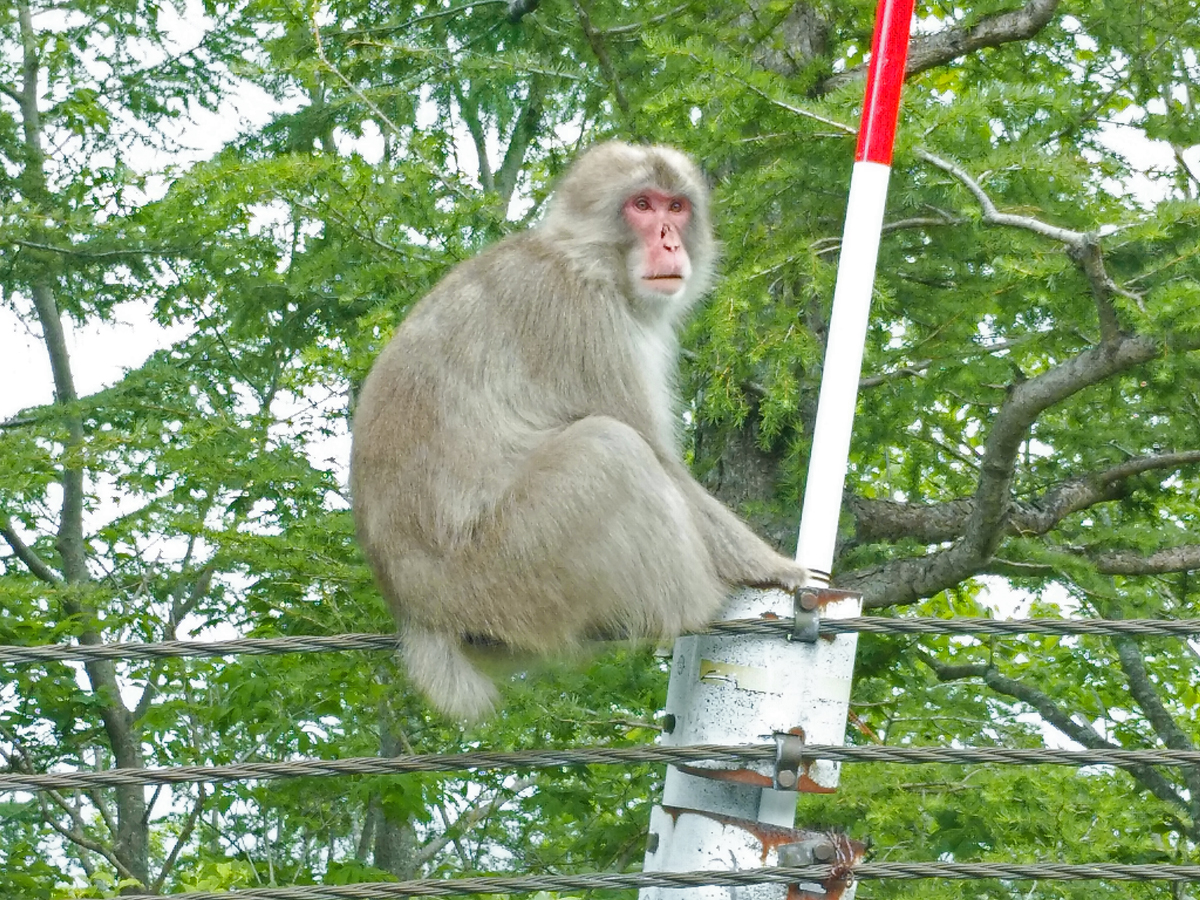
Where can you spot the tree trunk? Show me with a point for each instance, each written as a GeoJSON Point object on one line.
{"type": "Point", "coordinates": [395, 839]}
{"type": "Point", "coordinates": [131, 842]}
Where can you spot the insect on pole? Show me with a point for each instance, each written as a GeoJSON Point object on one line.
{"type": "Point", "coordinates": [734, 689]}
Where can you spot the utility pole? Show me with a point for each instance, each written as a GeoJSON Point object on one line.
{"type": "Point", "coordinates": [735, 689]}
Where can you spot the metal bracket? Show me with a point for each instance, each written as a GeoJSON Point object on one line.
{"type": "Point", "coordinates": [806, 620]}
{"type": "Point", "coordinates": [812, 852]}
{"type": "Point", "coordinates": [789, 760]}
{"type": "Point", "coordinates": [806, 610]}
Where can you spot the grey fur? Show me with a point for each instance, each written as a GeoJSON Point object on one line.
{"type": "Point", "coordinates": [515, 467]}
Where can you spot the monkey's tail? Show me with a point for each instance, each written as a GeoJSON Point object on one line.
{"type": "Point", "coordinates": [437, 665]}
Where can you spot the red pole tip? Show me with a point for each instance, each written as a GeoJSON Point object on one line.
{"type": "Point", "coordinates": [885, 76]}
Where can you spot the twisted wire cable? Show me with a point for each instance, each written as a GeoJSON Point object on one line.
{"type": "Point", "coordinates": [557, 758]}
{"type": "Point", "coordinates": [441, 887]}
{"type": "Point", "coordinates": [964, 625]}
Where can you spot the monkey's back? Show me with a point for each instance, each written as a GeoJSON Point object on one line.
{"type": "Point", "coordinates": [509, 348]}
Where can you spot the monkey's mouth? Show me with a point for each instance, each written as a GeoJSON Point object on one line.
{"type": "Point", "coordinates": [666, 284]}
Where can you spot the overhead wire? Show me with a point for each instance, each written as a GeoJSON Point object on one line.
{"type": "Point", "coordinates": [133, 650]}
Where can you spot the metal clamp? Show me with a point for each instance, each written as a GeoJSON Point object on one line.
{"type": "Point", "coordinates": [807, 605]}
{"type": "Point", "coordinates": [789, 760]}
{"type": "Point", "coordinates": [812, 852]}
{"type": "Point", "coordinates": [806, 620]}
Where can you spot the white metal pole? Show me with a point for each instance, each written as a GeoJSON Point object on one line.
{"type": "Point", "coordinates": [750, 689]}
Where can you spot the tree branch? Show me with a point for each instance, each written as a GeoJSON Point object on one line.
{"type": "Point", "coordinates": [991, 215]}
{"type": "Point", "coordinates": [916, 370]}
{"type": "Point", "coordinates": [25, 553]}
{"type": "Point", "coordinates": [20, 761]}
{"type": "Point", "coordinates": [653, 20]}
{"type": "Point", "coordinates": [1048, 709]}
{"type": "Point", "coordinates": [1141, 688]}
{"type": "Point", "coordinates": [131, 841]}
{"type": "Point", "coordinates": [83, 253]}
{"type": "Point", "coordinates": [470, 819]}
{"type": "Point", "coordinates": [1088, 490]}
{"type": "Point", "coordinates": [928, 51]}
{"type": "Point", "coordinates": [934, 523]}
{"type": "Point", "coordinates": [185, 834]}
{"type": "Point", "coordinates": [525, 129]}
{"type": "Point", "coordinates": [315, 29]}
{"type": "Point", "coordinates": [1185, 558]}
{"type": "Point", "coordinates": [989, 520]}
{"type": "Point", "coordinates": [1082, 247]}
{"type": "Point", "coordinates": [829, 244]}
{"type": "Point", "coordinates": [470, 113]}
{"type": "Point", "coordinates": [596, 42]}
{"type": "Point", "coordinates": [842, 127]}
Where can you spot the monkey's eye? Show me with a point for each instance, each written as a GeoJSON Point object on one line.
{"type": "Point", "coordinates": [642, 203]}
{"type": "Point", "coordinates": [676, 206]}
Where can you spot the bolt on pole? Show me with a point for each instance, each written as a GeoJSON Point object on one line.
{"type": "Point", "coordinates": [734, 689]}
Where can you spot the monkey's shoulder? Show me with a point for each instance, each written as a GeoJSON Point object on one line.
{"type": "Point", "coordinates": [529, 266]}
{"type": "Point", "coordinates": [524, 288]}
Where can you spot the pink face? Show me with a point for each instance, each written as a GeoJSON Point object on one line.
{"type": "Point", "coordinates": [659, 220]}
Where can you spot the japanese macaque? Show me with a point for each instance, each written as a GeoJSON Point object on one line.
{"type": "Point", "coordinates": [516, 473]}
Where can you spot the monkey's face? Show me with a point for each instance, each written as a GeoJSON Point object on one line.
{"type": "Point", "coordinates": [658, 264]}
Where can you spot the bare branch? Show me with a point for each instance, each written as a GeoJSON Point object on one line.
{"type": "Point", "coordinates": [383, 30]}
{"type": "Point", "coordinates": [928, 51]}
{"type": "Point", "coordinates": [1142, 689]}
{"type": "Point", "coordinates": [1088, 490]}
{"type": "Point", "coordinates": [1049, 710]}
{"type": "Point", "coordinates": [524, 130]}
{"type": "Point", "coordinates": [1185, 558]}
{"type": "Point", "coordinates": [881, 520]}
{"type": "Point", "coordinates": [470, 113]}
{"type": "Point", "coordinates": [350, 86]}
{"type": "Point", "coordinates": [991, 215]}
{"type": "Point", "coordinates": [470, 819]}
{"type": "Point", "coordinates": [829, 244]}
{"type": "Point", "coordinates": [83, 253]}
{"type": "Point", "coordinates": [653, 20]}
{"type": "Point", "coordinates": [1082, 247]}
{"type": "Point", "coordinates": [25, 553]}
{"type": "Point", "coordinates": [20, 422]}
{"type": "Point", "coordinates": [76, 836]}
{"type": "Point", "coordinates": [185, 834]}
{"type": "Point", "coordinates": [889, 520]}
{"type": "Point", "coordinates": [408, 252]}
{"type": "Point", "coordinates": [907, 580]}
{"type": "Point", "coordinates": [596, 41]}
{"type": "Point", "coordinates": [848, 130]}
{"type": "Point", "coordinates": [1184, 166]}
{"type": "Point", "coordinates": [916, 370]}
{"type": "Point", "coordinates": [19, 761]}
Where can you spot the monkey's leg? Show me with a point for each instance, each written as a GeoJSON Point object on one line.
{"type": "Point", "coordinates": [594, 536]}
{"type": "Point", "coordinates": [740, 556]}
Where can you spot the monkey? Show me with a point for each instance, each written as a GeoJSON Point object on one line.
{"type": "Point", "coordinates": [516, 475]}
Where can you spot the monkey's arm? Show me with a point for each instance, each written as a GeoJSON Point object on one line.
{"type": "Point", "coordinates": [740, 556]}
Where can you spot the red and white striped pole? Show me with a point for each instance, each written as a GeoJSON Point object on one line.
{"type": "Point", "coordinates": [852, 293]}
{"type": "Point", "coordinates": [728, 689]}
